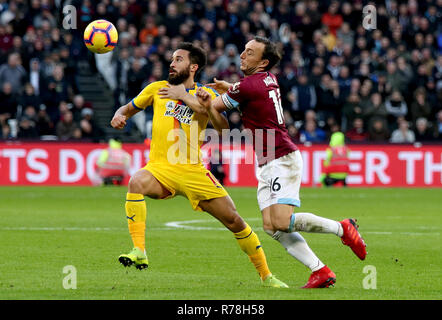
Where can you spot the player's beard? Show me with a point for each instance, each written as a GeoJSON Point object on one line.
{"type": "Point", "coordinates": [179, 77]}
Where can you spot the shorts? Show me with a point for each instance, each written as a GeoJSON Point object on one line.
{"type": "Point", "coordinates": [279, 181]}
{"type": "Point", "coordinates": [194, 182]}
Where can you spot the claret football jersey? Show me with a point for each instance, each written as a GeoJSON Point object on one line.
{"type": "Point", "coordinates": [258, 99]}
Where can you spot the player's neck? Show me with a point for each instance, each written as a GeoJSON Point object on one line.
{"type": "Point", "coordinates": [189, 83]}
{"type": "Point", "coordinates": [256, 72]}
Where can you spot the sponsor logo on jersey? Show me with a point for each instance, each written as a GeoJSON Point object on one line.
{"type": "Point", "coordinates": [179, 111]}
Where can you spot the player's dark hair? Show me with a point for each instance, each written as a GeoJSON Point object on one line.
{"type": "Point", "coordinates": [270, 53]}
{"type": "Point", "coordinates": [197, 55]}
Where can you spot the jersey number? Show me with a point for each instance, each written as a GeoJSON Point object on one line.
{"type": "Point", "coordinates": [276, 97]}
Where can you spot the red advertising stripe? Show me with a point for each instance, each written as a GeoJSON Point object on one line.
{"type": "Point", "coordinates": [49, 163]}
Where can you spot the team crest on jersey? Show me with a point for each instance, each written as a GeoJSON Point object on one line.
{"type": "Point", "coordinates": [181, 112]}
{"type": "Point", "coordinates": [235, 88]}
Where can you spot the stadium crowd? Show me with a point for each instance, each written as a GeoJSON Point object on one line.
{"type": "Point", "coordinates": [381, 85]}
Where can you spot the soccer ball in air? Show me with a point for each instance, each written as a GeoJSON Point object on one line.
{"type": "Point", "coordinates": [100, 36]}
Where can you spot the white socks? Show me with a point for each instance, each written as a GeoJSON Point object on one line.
{"type": "Point", "coordinates": [298, 248]}
{"type": "Point", "coordinates": [308, 222]}
{"type": "Point", "coordinates": [296, 245]}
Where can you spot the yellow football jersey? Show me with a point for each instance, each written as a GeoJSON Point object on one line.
{"type": "Point", "coordinates": [176, 129]}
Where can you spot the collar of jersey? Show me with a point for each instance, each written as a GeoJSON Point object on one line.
{"type": "Point", "coordinates": [197, 84]}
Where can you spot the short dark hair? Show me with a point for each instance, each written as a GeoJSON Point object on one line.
{"type": "Point", "coordinates": [270, 53]}
{"type": "Point", "coordinates": [197, 55]}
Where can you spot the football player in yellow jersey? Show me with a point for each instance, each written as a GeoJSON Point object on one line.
{"type": "Point", "coordinates": [179, 118]}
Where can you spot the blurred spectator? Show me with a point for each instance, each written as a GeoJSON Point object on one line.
{"type": "Point", "coordinates": [9, 103]}
{"type": "Point", "coordinates": [302, 97]}
{"type": "Point", "coordinates": [150, 29]}
{"type": "Point", "coordinates": [420, 108]}
{"type": "Point", "coordinates": [29, 98]}
{"type": "Point", "coordinates": [35, 76]}
{"type": "Point", "coordinates": [27, 126]}
{"type": "Point", "coordinates": [438, 126]}
{"type": "Point", "coordinates": [235, 120]}
{"type": "Point", "coordinates": [333, 66]}
{"type": "Point", "coordinates": [375, 108]}
{"type": "Point", "coordinates": [311, 132]}
{"type": "Point", "coordinates": [293, 133]}
{"type": "Point", "coordinates": [332, 19]}
{"type": "Point", "coordinates": [351, 109]}
{"type": "Point", "coordinates": [173, 20]}
{"type": "Point", "coordinates": [44, 124]}
{"type": "Point", "coordinates": [402, 134]}
{"type": "Point", "coordinates": [344, 80]}
{"type": "Point", "coordinates": [13, 72]}
{"type": "Point", "coordinates": [135, 78]}
{"type": "Point", "coordinates": [85, 13]}
{"type": "Point", "coordinates": [78, 104]}
{"type": "Point", "coordinates": [396, 107]}
{"type": "Point", "coordinates": [230, 56]}
{"type": "Point", "coordinates": [395, 80]}
{"type": "Point", "coordinates": [423, 132]}
{"type": "Point", "coordinates": [378, 130]}
{"type": "Point", "coordinates": [69, 66]}
{"type": "Point", "coordinates": [228, 73]}
{"type": "Point", "coordinates": [357, 132]}
{"type": "Point", "coordinates": [89, 129]}
{"type": "Point", "coordinates": [5, 133]}
{"type": "Point", "coordinates": [329, 99]}
{"type": "Point", "coordinates": [56, 90]}
{"type": "Point", "coordinates": [346, 34]}
{"type": "Point", "coordinates": [67, 129]}
{"type": "Point", "coordinates": [122, 68]}
{"type": "Point", "coordinates": [331, 126]}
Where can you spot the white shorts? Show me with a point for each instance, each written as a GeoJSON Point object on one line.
{"type": "Point", "coordinates": [279, 181]}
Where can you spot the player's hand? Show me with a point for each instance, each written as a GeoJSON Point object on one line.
{"type": "Point", "coordinates": [118, 121]}
{"type": "Point", "coordinates": [204, 98]}
{"type": "Point", "coordinates": [172, 92]}
{"type": "Point", "coordinates": [219, 85]}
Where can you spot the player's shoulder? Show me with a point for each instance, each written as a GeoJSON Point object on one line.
{"type": "Point", "coordinates": [155, 86]}
{"type": "Point", "coordinates": [258, 79]}
{"type": "Point", "coordinates": [210, 90]}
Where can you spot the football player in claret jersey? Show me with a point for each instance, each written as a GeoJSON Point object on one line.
{"type": "Point", "coordinates": [170, 172]}
{"type": "Point", "coordinates": [257, 97]}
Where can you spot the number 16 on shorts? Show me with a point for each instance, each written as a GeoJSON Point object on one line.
{"type": "Point", "coordinates": [275, 185]}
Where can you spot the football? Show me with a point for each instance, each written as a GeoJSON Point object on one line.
{"type": "Point", "coordinates": [100, 36]}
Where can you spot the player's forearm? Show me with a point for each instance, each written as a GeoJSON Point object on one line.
{"type": "Point", "coordinates": [219, 122]}
{"type": "Point", "coordinates": [192, 102]}
{"type": "Point", "coordinates": [126, 111]}
{"type": "Point", "coordinates": [121, 115]}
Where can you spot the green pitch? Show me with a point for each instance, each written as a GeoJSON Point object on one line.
{"type": "Point", "coordinates": [191, 256]}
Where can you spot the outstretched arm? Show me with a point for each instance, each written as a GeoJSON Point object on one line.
{"type": "Point", "coordinates": [122, 114]}
{"type": "Point", "coordinates": [220, 86]}
{"type": "Point", "coordinates": [179, 93]}
{"type": "Point", "coordinates": [214, 109]}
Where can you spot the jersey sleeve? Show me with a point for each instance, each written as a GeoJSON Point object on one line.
{"type": "Point", "coordinates": [213, 93]}
{"type": "Point", "coordinates": [145, 98]}
{"type": "Point", "coordinates": [237, 94]}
